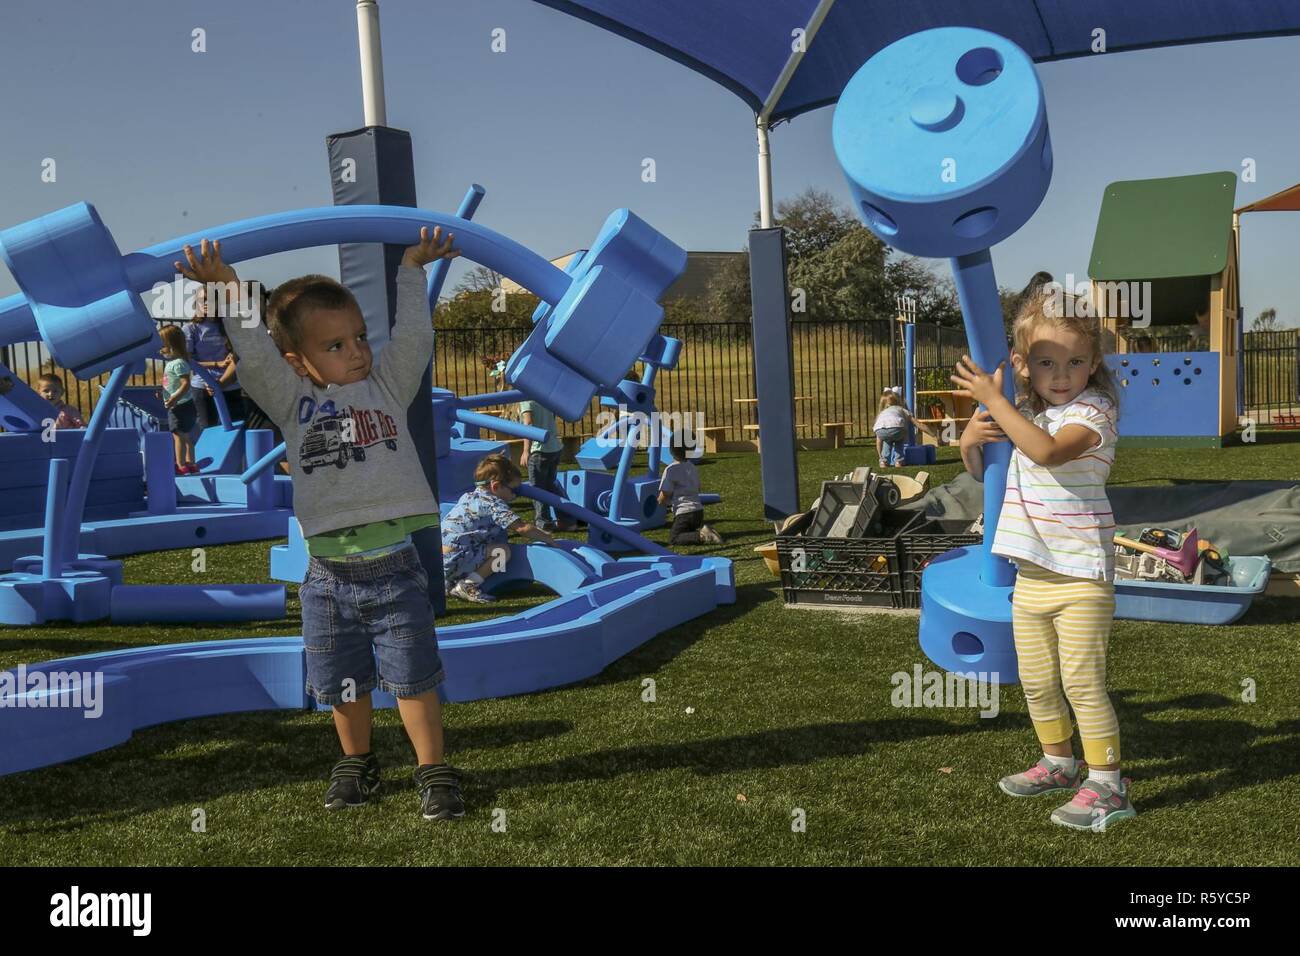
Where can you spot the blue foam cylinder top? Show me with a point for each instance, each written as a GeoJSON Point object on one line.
{"type": "Point", "coordinates": [943, 138]}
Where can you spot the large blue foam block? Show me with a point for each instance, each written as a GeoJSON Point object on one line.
{"type": "Point", "coordinates": [196, 603]}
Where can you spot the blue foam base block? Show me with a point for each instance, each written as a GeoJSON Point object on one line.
{"type": "Point", "coordinates": [28, 599]}
{"type": "Point", "coordinates": [597, 454]}
{"type": "Point", "coordinates": [966, 624]}
{"type": "Point", "coordinates": [139, 532]}
{"type": "Point", "coordinates": [919, 454]}
{"type": "Point", "coordinates": [35, 473]}
{"type": "Point", "coordinates": [586, 488]}
{"type": "Point", "coordinates": [569, 639]}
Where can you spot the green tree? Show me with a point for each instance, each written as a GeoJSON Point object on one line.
{"type": "Point", "coordinates": [1266, 321]}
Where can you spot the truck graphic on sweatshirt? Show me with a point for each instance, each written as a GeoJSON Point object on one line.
{"type": "Point", "coordinates": [332, 440]}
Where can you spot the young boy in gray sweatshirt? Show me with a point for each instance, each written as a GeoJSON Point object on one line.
{"type": "Point", "coordinates": [358, 491]}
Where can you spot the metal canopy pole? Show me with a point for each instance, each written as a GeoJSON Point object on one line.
{"type": "Point", "coordinates": [372, 63]}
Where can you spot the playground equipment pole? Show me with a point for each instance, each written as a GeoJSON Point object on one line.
{"type": "Point", "coordinates": [372, 64]}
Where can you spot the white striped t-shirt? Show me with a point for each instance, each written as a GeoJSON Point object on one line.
{"type": "Point", "coordinates": [1059, 518]}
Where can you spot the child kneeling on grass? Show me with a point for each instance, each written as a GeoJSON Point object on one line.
{"type": "Point", "coordinates": [475, 531]}
{"type": "Point", "coordinates": [679, 488]}
{"type": "Point", "coordinates": [366, 596]}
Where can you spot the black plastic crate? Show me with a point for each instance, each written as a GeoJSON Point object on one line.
{"type": "Point", "coordinates": [844, 571]}
{"type": "Point", "coordinates": [921, 544]}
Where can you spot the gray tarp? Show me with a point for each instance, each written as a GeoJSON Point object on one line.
{"type": "Point", "coordinates": [1244, 517]}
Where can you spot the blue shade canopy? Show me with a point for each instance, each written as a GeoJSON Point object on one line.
{"type": "Point", "coordinates": [746, 44]}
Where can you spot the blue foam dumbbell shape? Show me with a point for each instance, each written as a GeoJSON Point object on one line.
{"type": "Point", "coordinates": [71, 272]}
{"type": "Point", "coordinates": [943, 138]}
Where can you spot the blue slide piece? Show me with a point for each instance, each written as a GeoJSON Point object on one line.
{"type": "Point", "coordinates": [196, 603]}
{"type": "Point", "coordinates": [219, 451]}
{"type": "Point", "coordinates": [567, 640]}
{"type": "Point", "coordinates": [968, 104]}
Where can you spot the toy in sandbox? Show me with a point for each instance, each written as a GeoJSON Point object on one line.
{"type": "Point", "coordinates": [1165, 286]}
{"type": "Point", "coordinates": [1179, 577]}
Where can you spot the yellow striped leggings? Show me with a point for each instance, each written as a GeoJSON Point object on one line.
{"type": "Point", "coordinates": [1062, 626]}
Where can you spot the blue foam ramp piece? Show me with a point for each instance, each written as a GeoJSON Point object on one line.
{"type": "Point", "coordinates": [560, 569]}
{"type": "Point", "coordinates": [136, 688]}
{"type": "Point", "coordinates": [202, 603]}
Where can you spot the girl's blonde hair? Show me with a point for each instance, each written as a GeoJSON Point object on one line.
{"type": "Point", "coordinates": [174, 339]}
{"type": "Point", "coordinates": [887, 399]}
{"type": "Point", "coordinates": [1046, 305]}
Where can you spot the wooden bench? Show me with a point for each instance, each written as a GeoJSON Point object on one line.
{"type": "Point", "coordinates": [571, 445]}
{"type": "Point", "coordinates": [1283, 420]}
{"type": "Point", "coordinates": [713, 435]}
{"type": "Point", "coordinates": [835, 433]}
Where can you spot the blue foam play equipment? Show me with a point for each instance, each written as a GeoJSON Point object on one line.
{"type": "Point", "coordinates": [604, 610]}
{"type": "Point", "coordinates": [943, 138]}
{"type": "Point", "coordinates": [99, 327]}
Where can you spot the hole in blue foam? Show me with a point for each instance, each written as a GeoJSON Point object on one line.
{"type": "Point", "coordinates": [979, 66]}
{"type": "Point", "coordinates": [967, 646]}
{"type": "Point", "coordinates": [200, 531]}
{"type": "Point", "coordinates": [976, 223]}
{"type": "Point", "coordinates": [879, 219]}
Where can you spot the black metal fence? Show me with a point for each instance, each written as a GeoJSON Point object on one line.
{"type": "Point", "coordinates": [840, 369]}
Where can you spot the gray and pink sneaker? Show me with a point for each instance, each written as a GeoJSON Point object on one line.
{"type": "Point", "coordinates": [1043, 777]}
{"type": "Point", "coordinates": [1096, 806]}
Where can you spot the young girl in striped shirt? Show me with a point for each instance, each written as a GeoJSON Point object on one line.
{"type": "Point", "coordinates": [1056, 526]}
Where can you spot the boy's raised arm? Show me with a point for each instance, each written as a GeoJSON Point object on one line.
{"type": "Point", "coordinates": [401, 363]}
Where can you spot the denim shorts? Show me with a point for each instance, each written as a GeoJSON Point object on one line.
{"type": "Point", "coordinates": [359, 613]}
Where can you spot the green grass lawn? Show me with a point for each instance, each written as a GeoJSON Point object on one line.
{"type": "Point", "coordinates": [791, 711]}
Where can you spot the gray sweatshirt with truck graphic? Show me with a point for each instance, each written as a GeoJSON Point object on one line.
{"type": "Point", "coordinates": [350, 454]}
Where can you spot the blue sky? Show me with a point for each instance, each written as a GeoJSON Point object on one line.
{"type": "Point", "coordinates": [165, 141]}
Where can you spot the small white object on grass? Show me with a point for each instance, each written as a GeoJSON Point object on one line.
{"type": "Point", "coordinates": [690, 710]}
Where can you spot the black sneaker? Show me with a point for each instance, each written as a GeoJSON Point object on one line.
{"type": "Point", "coordinates": [353, 781]}
{"type": "Point", "coordinates": [439, 786]}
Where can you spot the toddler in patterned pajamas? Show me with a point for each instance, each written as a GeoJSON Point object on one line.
{"type": "Point", "coordinates": [1056, 526]}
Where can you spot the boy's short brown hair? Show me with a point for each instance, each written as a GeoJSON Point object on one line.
{"type": "Point", "coordinates": [293, 301]}
{"type": "Point", "coordinates": [497, 468]}
{"type": "Point", "coordinates": [51, 378]}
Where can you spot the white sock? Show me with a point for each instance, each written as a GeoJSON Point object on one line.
{"type": "Point", "coordinates": [1065, 763]}
{"type": "Point", "coordinates": [1109, 777]}
{"type": "Point", "coordinates": [474, 577]}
